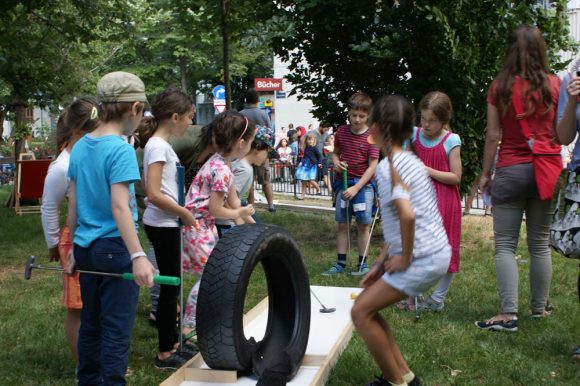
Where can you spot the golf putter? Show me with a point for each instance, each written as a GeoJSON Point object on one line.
{"type": "Point", "coordinates": [30, 264]}
{"type": "Point", "coordinates": [323, 310]}
{"type": "Point", "coordinates": [181, 202]}
{"type": "Point", "coordinates": [347, 202]}
{"type": "Point", "coordinates": [359, 272]}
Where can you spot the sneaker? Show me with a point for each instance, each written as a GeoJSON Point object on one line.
{"type": "Point", "coordinates": [172, 362]}
{"type": "Point", "coordinates": [499, 325]}
{"type": "Point", "coordinates": [334, 270]}
{"type": "Point", "coordinates": [361, 269]}
{"type": "Point", "coordinates": [271, 208]}
{"type": "Point", "coordinates": [431, 305]}
{"type": "Point", "coordinates": [415, 382]}
{"type": "Point", "coordinates": [379, 381]}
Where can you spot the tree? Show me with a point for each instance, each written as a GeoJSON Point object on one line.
{"type": "Point", "coordinates": [410, 48]}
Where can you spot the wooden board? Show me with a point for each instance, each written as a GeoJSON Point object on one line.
{"type": "Point", "coordinates": [329, 335]}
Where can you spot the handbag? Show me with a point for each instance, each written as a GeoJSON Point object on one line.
{"type": "Point", "coordinates": [565, 226]}
{"type": "Point", "coordinates": [546, 157]}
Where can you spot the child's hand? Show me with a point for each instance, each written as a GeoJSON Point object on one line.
{"type": "Point", "coordinates": [350, 192]}
{"type": "Point", "coordinates": [372, 276]}
{"type": "Point", "coordinates": [143, 271]}
{"type": "Point", "coordinates": [340, 166]}
{"type": "Point", "coordinates": [396, 263]}
{"type": "Point", "coordinates": [53, 254]}
{"type": "Point", "coordinates": [187, 219]}
{"type": "Point", "coordinates": [246, 211]}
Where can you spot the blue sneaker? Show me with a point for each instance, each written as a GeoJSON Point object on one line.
{"type": "Point", "coordinates": [361, 270]}
{"type": "Point", "coordinates": [499, 325]}
{"type": "Point", "coordinates": [334, 270]}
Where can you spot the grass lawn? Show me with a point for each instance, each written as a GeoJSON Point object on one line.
{"type": "Point", "coordinates": [441, 348]}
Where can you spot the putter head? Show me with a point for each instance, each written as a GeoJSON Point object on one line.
{"type": "Point", "coordinates": [327, 310]}
{"type": "Point", "coordinates": [358, 273]}
{"type": "Point", "coordinates": [28, 267]}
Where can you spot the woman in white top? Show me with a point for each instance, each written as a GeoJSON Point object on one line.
{"type": "Point", "coordinates": [416, 253]}
{"type": "Point", "coordinates": [172, 113]}
{"type": "Point", "coordinates": [79, 118]}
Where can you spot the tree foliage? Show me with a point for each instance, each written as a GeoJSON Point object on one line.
{"type": "Point", "coordinates": [409, 48]}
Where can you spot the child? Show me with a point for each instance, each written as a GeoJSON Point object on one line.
{"type": "Point", "coordinates": [210, 190]}
{"type": "Point", "coordinates": [244, 174]}
{"type": "Point", "coordinates": [172, 113]}
{"type": "Point", "coordinates": [76, 120]}
{"type": "Point", "coordinates": [307, 171]}
{"type": "Point", "coordinates": [354, 154]}
{"type": "Point", "coordinates": [103, 219]}
{"type": "Point", "coordinates": [416, 253]}
{"type": "Point", "coordinates": [285, 153]}
{"type": "Point", "coordinates": [439, 149]}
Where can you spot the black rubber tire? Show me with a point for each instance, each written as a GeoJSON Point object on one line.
{"type": "Point", "coordinates": [222, 292]}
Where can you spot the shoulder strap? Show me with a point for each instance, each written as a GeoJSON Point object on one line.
{"type": "Point", "coordinates": [518, 106]}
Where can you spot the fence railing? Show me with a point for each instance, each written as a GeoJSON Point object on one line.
{"type": "Point", "coordinates": [283, 182]}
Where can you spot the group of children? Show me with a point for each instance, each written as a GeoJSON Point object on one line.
{"type": "Point", "coordinates": [419, 205]}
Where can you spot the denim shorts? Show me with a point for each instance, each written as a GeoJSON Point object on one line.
{"type": "Point", "coordinates": [363, 211]}
{"type": "Point", "coordinates": [423, 273]}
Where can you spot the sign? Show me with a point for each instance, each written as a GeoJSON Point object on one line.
{"type": "Point", "coordinates": [268, 84]}
{"type": "Point", "coordinates": [219, 99]}
{"type": "Point", "coordinates": [219, 92]}
{"type": "Point", "coordinates": [280, 95]}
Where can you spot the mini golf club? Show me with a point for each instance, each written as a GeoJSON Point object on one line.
{"type": "Point", "coordinates": [167, 280]}
{"type": "Point", "coordinates": [324, 310]}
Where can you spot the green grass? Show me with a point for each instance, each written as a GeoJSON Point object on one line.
{"type": "Point", "coordinates": [442, 348]}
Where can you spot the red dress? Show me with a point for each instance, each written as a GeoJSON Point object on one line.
{"type": "Point", "coordinates": [448, 198]}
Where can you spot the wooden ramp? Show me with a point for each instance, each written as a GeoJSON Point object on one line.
{"type": "Point", "coordinates": [329, 335]}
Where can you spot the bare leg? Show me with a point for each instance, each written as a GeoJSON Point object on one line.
{"type": "Point", "coordinates": [268, 192]}
{"type": "Point", "coordinates": [304, 187]}
{"type": "Point", "coordinates": [363, 232]}
{"type": "Point", "coordinates": [315, 185]}
{"type": "Point", "coordinates": [72, 323]}
{"type": "Point", "coordinates": [376, 332]}
{"type": "Point", "coordinates": [342, 237]}
{"type": "Point", "coordinates": [251, 195]}
{"type": "Point", "coordinates": [472, 194]}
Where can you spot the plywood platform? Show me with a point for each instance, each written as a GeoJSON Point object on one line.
{"type": "Point", "coordinates": [329, 335]}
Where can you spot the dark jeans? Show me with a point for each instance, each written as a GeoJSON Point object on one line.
{"type": "Point", "coordinates": [108, 313]}
{"type": "Point", "coordinates": [167, 246]}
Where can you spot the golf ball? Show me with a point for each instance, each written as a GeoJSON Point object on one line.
{"type": "Point", "coordinates": [353, 295]}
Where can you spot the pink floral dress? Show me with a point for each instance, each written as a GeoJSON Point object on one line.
{"type": "Point", "coordinates": [200, 239]}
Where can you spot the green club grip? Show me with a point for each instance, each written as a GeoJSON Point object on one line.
{"type": "Point", "coordinates": [158, 279]}
{"type": "Point", "coordinates": [345, 177]}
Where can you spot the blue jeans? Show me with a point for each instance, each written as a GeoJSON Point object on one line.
{"type": "Point", "coordinates": [361, 206]}
{"type": "Point", "coordinates": [108, 313]}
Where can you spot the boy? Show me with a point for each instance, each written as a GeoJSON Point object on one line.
{"type": "Point", "coordinates": [103, 219]}
{"type": "Point", "coordinates": [353, 153]}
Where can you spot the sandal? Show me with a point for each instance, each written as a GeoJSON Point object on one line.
{"type": "Point", "coordinates": [403, 305]}
{"type": "Point", "coordinates": [152, 318]}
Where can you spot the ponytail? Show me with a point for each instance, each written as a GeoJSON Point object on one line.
{"type": "Point", "coordinates": [146, 129]}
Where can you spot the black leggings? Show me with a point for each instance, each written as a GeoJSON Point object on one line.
{"type": "Point", "coordinates": [167, 246]}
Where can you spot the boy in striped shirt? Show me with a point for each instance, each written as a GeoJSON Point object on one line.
{"type": "Point", "coordinates": [354, 154]}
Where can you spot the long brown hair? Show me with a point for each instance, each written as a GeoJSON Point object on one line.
{"type": "Point", "coordinates": [526, 56]}
{"type": "Point", "coordinates": [80, 116]}
{"type": "Point", "coordinates": [440, 104]}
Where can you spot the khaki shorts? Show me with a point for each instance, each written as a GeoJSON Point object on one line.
{"type": "Point", "coordinates": [262, 173]}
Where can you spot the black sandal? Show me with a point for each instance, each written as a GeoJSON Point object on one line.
{"type": "Point", "coordinates": [576, 355]}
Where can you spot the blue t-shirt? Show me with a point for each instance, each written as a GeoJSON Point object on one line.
{"type": "Point", "coordinates": [452, 141]}
{"type": "Point", "coordinates": [562, 102]}
{"type": "Point", "coordinates": [95, 165]}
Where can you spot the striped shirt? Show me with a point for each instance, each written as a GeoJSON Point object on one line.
{"type": "Point", "coordinates": [430, 236]}
{"type": "Point", "coordinates": [355, 150]}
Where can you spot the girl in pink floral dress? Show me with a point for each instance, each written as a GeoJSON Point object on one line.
{"type": "Point", "coordinates": [211, 188]}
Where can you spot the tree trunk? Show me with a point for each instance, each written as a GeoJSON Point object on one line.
{"type": "Point", "coordinates": [19, 126]}
{"type": "Point", "coordinates": [183, 73]}
{"type": "Point", "coordinates": [225, 10]}
{"type": "Point", "coordinates": [2, 118]}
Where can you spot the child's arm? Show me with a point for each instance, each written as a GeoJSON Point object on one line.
{"type": "Point", "coordinates": [233, 199]}
{"type": "Point", "coordinates": [453, 176]}
{"type": "Point", "coordinates": [366, 177]}
{"type": "Point", "coordinates": [218, 210]}
{"type": "Point", "coordinates": [162, 201]}
{"type": "Point", "coordinates": [72, 223]}
{"type": "Point", "coordinates": [142, 268]}
{"type": "Point", "coordinates": [407, 223]}
{"type": "Point", "coordinates": [377, 270]}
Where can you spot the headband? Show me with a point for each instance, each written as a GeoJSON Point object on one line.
{"type": "Point", "coordinates": [245, 128]}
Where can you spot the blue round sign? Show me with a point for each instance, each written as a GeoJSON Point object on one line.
{"type": "Point", "coordinates": [219, 92]}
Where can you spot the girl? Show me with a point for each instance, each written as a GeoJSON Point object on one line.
{"type": "Point", "coordinates": [285, 153]}
{"type": "Point", "coordinates": [416, 252]}
{"type": "Point", "coordinates": [308, 168]}
{"type": "Point", "coordinates": [103, 219]}
{"type": "Point", "coordinates": [439, 149]}
{"type": "Point", "coordinates": [211, 188]}
{"type": "Point", "coordinates": [172, 113]}
{"type": "Point", "coordinates": [76, 120]}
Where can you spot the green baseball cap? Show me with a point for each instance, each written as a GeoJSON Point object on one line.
{"type": "Point", "coordinates": [121, 86]}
